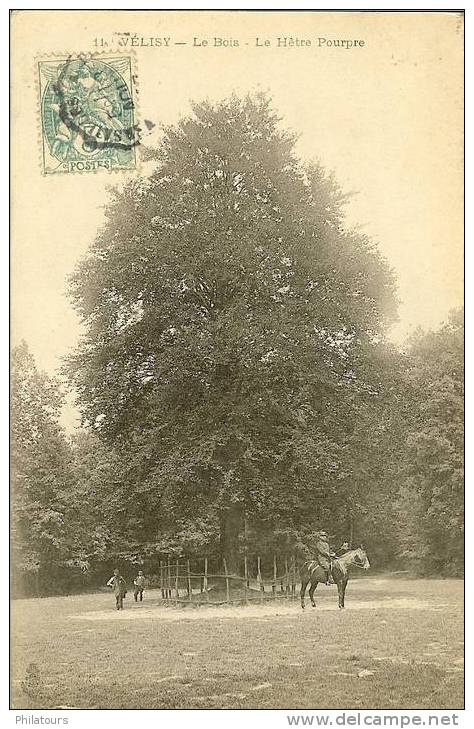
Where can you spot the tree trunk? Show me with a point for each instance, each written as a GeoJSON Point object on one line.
{"type": "Point", "coordinates": [231, 522]}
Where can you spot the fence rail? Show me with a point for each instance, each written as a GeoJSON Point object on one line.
{"type": "Point", "coordinates": [180, 584]}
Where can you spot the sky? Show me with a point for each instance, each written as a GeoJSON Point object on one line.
{"type": "Point", "coordinates": [385, 116]}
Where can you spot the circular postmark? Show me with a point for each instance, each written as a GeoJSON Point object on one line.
{"type": "Point", "coordinates": [88, 113]}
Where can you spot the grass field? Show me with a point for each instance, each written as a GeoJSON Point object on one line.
{"type": "Point", "coordinates": [398, 644]}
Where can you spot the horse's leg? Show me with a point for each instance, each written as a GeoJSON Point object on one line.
{"type": "Point", "coordinates": [341, 590]}
{"type": "Point", "coordinates": [312, 588]}
{"type": "Point", "coordinates": [344, 585]}
{"type": "Point", "coordinates": [304, 582]}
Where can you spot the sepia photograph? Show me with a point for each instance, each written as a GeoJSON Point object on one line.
{"type": "Point", "coordinates": [237, 362]}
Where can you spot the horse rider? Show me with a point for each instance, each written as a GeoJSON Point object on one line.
{"type": "Point", "coordinates": [323, 554]}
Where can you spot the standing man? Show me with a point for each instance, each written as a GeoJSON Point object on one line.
{"type": "Point", "coordinates": [117, 583]}
{"type": "Point", "coordinates": [139, 583]}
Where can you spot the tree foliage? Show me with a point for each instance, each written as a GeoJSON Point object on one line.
{"type": "Point", "coordinates": [233, 324]}
{"type": "Point", "coordinates": [63, 491]}
{"type": "Point", "coordinates": [236, 385]}
{"type": "Point", "coordinates": [41, 470]}
{"type": "Point", "coordinates": [431, 503]}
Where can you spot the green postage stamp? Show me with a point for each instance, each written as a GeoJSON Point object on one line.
{"type": "Point", "coordinates": [88, 114]}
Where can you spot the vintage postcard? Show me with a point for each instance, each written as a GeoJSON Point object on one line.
{"type": "Point", "coordinates": [237, 367]}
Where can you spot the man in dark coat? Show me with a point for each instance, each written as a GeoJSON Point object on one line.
{"type": "Point", "coordinates": [139, 586]}
{"type": "Point", "coordinates": [117, 583]}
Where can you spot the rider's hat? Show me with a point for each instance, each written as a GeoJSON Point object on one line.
{"type": "Point", "coordinates": [323, 533]}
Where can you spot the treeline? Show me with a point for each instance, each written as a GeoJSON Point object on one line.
{"type": "Point", "coordinates": [237, 387]}
{"type": "Point", "coordinates": [72, 517]}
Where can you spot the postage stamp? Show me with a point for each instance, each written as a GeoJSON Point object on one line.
{"type": "Point", "coordinates": [88, 114]}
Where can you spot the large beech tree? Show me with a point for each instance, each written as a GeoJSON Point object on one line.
{"type": "Point", "coordinates": [234, 330]}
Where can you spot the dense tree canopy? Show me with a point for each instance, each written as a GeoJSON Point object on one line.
{"type": "Point", "coordinates": [64, 492]}
{"type": "Point", "coordinates": [431, 504]}
{"type": "Point", "coordinates": [41, 470]}
{"type": "Point", "coordinates": [236, 385]}
{"type": "Point", "coordinates": [233, 326]}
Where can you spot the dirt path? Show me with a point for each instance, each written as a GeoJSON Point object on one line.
{"type": "Point", "coordinates": [245, 612]}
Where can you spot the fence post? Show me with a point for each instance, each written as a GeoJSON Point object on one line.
{"type": "Point", "coordinates": [162, 586]}
{"type": "Point", "coordinates": [293, 576]}
{"type": "Point", "coordinates": [168, 579]}
{"type": "Point", "coordinates": [259, 577]}
{"type": "Point", "coordinates": [246, 580]}
{"type": "Point", "coordinates": [205, 579]}
{"type": "Point", "coordinates": [176, 581]}
{"type": "Point", "coordinates": [190, 589]}
{"type": "Point", "coordinates": [274, 584]}
{"type": "Point", "coordinates": [287, 579]}
{"type": "Point", "coordinates": [227, 586]}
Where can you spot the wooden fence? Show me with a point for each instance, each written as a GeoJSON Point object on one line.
{"type": "Point", "coordinates": [181, 584]}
